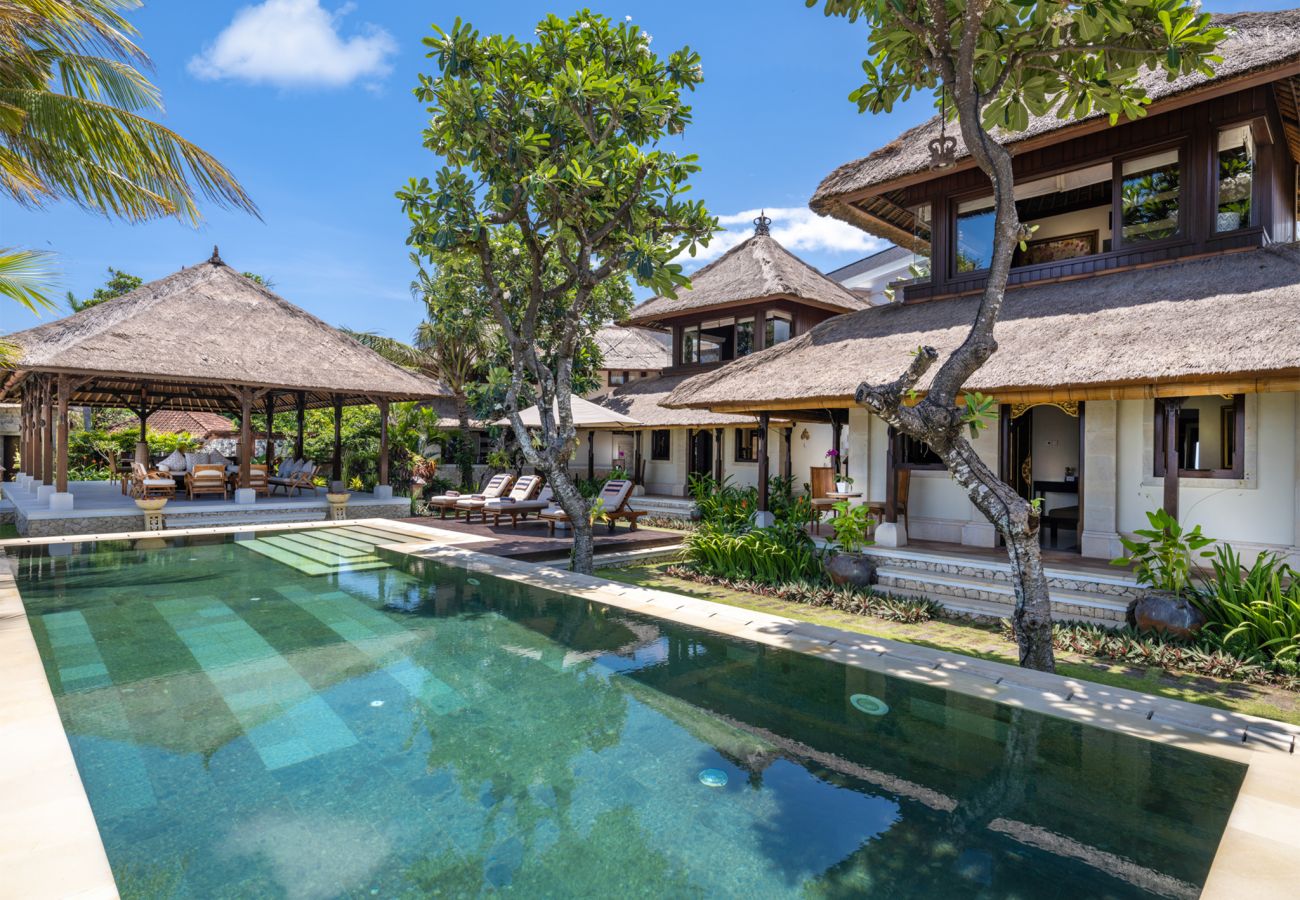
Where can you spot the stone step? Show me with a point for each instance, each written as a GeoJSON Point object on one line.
{"type": "Point", "coordinates": [1119, 587]}
{"type": "Point", "coordinates": [956, 590]}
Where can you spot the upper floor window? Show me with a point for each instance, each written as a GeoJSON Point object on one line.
{"type": "Point", "coordinates": [1210, 433]}
{"type": "Point", "coordinates": [717, 341]}
{"type": "Point", "coordinates": [690, 345]}
{"type": "Point", "coordinates": [780, 327]}
{"type": "Point", "coordinates": [744, 336]}
{"type": "Point", "coordinates": [1150, 194]}
{"type": "Point", "coordinates": [975, 219]}
{"type": "Point", "coordinates": [1236, 170]}
{"type": "Point", "coordinates": [919, 267]}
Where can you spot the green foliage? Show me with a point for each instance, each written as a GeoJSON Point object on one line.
{"type": "Point", "coordinates": [766, 555]}
{"type": "Point", "coordinates": [1031, 56]}
{"type": "Point", "coordinates": [118, 283]}
{"type": "Point", "coordinates": [722, 505]}
{"type": "Point", "coordinates": [845, 598]}
{"type": "Point", "coordinates": [1253, 610]}
{"type": "Point", "coordinates": [978, 411]}
{"type": "Point", "coordinates": [24, 277]}
{"type": "Point", "coordinates": [96, 451]}
{"type": "Point", "coordinates": [851, 524]}
{"type": "Point", "coordinates": [1161, 557]}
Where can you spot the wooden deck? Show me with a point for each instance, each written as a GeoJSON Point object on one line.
{"type": "Point", "coordinates": [531, 540]}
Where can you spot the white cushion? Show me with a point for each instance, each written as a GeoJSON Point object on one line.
{"type": "Point", "coordinates": [174, 463]}
{"type": "Point", "coordinates": [286, 469]}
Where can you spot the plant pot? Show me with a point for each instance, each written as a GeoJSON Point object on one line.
{"type": "Point", "coordinates": [338, 501]}
{"type": "Point", "coordinates": [1165, 612]}
{"type": "Point", "coordinates": [843, 487]}
{"type": "Point", "coordinates": [1228, 221]}
{"type": "Point", "coordinates": [152, 504]}
{"type": "Point", "coordinates": [853, 569]}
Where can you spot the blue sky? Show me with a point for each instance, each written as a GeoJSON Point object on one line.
{"type": "Point", "coordinates": [309, 103]}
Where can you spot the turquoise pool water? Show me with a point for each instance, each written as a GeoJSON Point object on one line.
{"type": "Point", "coordinates": [306, 716]}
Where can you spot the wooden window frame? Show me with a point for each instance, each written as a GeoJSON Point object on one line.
{"type": "Point", "coordinates": [668, 441]}
{"type": "Point", "coordinates": [1188, 215]}
{"type": "Point", "coordinates": [745, 438]}
{"type": "Point", "coordinates": [1238, 470]}
{"type": "Point", "coordinates": [896, 439]}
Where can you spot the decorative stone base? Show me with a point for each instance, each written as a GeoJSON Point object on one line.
{"type": "Point", "coordinates": [383, 492]}
{"type": "Point", "coordinates": [891, 534]}
{"type": "Point", "coordinates": [246, 496]}
{"type": "Point", "coordinates": [61, 502]}
{"type": "Point", "coordinates": [43, 493]}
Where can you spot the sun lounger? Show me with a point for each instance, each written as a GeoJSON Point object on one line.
{"type": "Point", "coordinates": [614, 505]}
{"type": "Point", "coordinates": [294, 475]}
{"type": "Point", "coordinates": [496, 487]}
{"type": "Point", "coordinates": [523, 500]}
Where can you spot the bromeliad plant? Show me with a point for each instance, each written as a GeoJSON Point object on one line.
{"type": "Point", "coordinates": [1161, 556]}
{"type": "Point", "coordinates": [1253, 610]}
{"type": "Point", "coordinates": [851, 525]}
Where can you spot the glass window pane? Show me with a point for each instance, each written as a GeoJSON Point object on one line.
{"type": "Point", "coordinates": [690, 345]}
{"type": "Point", "coordinates": [1150, 197]}
{"type": "Point", "coordinates": [920, 264]}
{"type": "Point", "coordinates": [778, 329]}
{"type": "Point", "coordinates": [1236, 172]}
{"type": "Point", "coordinates": [975, 234]}
{"type": "Point", "coordinates": [744, 337]}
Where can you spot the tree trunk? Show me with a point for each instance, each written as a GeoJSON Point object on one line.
{"type": "Point", "coordinates": [582, 555]}
{"type": "Point", "coordinates": [464, 461]}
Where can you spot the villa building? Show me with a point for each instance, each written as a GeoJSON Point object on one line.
{"type": "Point", "coordinates": [1149, 346]}
{"type": "Point", "coordinates": [756, 295]}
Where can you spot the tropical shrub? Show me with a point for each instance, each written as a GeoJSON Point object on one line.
{"type": "Point", "coordinates": [851, 524]}
{"type": "Point", "coordinates": [1252, 610]}
{"type": "Point", "coordinates": [1161, 557]}
{"type": "Point", "coordinates": [774, 555]}
{"type": "Point", "coordinates": [721, 504]}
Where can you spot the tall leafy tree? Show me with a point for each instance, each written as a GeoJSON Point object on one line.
{"type": "Point", "coordinates": [556, 141]}
{"type": "Point", "coordinates": [1000, 62]}
{"type": "Point", "coordinates": [72, 124]}
{"type": "Point", "coordinates": [118, 283]}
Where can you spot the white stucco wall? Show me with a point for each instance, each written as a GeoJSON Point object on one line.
{"type": "Point", "coordinates": [1256, 512]}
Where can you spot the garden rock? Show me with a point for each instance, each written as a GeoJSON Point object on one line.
{"type": "Point", "coordinates": [1165, 612]}
{"type": "Point", "coordinates": [854, 569]}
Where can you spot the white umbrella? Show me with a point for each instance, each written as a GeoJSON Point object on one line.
{"type": "Point", "coordinates": [585, 415]}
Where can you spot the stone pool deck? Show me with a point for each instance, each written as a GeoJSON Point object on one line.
{"type": "Point", "coordinates": [100, 507]}
{"type": "Point", "coordinates": [50, 846]}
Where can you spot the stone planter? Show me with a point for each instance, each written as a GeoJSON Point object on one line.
{"type": "Point", "coordinates": [1165, 612]}
{"type": "Point", "coordinates": [338, 505]}
{"type": "Point", "coordinates": [852, 569]}
{"type": "Point", "coordinates": [153, 512]}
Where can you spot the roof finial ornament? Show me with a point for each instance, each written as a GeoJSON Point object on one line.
{"type": "Point", "coordinates": [943, 149]}
{"type": "Point", "coordinates": [216, 257]}
{"type": "Point", "coordinates": [762, 223]}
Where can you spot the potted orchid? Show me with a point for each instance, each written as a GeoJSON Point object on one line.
{"type": "Point", "coordinates": [843, 483]}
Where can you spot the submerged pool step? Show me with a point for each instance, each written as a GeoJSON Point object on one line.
{"type": "Point", "coordinates": [307, 560]}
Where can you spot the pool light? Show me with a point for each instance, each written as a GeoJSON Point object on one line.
{"type": "Point", "coordinates": [872, 706]}
{"type": "Point", "coordinates": [714, 778]}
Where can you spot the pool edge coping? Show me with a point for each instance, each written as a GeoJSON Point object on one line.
{"type": "Point", "coordinates": [1261, 840]}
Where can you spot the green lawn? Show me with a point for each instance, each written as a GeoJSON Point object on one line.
{"type": "Point", "coordinates": [8, 531]}
{"type": "Point", "coordinates": [970, 639]}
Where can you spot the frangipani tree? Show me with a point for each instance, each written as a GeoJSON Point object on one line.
{"type": "Point", "coordinates": [999, 62]}
{"type": "Point", "coordinates": [556, 143]}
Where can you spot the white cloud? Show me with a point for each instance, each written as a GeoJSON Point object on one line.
{"type": "Point", "coordinates": [294, 43]}
{"type": "Point", "coordinates": [796, 228]}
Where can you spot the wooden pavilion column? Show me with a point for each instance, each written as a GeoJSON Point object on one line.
{"type": "Point", "coordinates": [837, 438]}
{"type": "Point", "coordinates": [764, 420]}
{"type": "Point", "coordinates": [31, 456]}
{"type": "Point", "coordinates": [337, 463]}
{"type": "Point", "coordinates": [61, 470]}
{"type": "Point", "coordinates": [302, 420]}
{"type": "Point", "coordinates": [591, 455]}
{"type": "Point", "coordinates": [787, 465]}
{"type": "Point", "coordinates": [383, 441]}
{"type": "Point", "coordinates": [245, 396]}
{"type": "Point", "coordinates": [270, 431]}
{"type": "Point", "coordinates": [47, 457]}
{"type": "Point", "coordinates": [1171, 406]}
{"type": "Point", "coordinates": [717, 455]}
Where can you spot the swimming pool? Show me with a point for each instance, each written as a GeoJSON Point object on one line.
{"type": "Point", "coordinates": [306, 715]}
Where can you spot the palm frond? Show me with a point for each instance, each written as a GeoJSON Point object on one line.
{"type": "Point", "coordinates": [25, 276]}
{"type": "Point", "coordinates": [391, 349]}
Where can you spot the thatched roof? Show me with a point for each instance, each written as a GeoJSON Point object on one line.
{"type": "Point", "coordinates": [1261, 41]}
{"type": "Point", "coordinates": [756, 269]}
{"type": "Point", "coordinates": [624, 347]}
{"type": "Point", "coordinates": [640, 399]}
{"type": "Point", "coordinates": [207, 327]}
{"type": "Point", "coordinates": [1210, 319]}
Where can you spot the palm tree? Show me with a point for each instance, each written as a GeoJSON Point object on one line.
{"type": "Point", "coordinates": [71, 128]}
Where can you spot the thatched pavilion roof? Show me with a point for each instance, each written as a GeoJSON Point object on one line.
{"type": "Point", "coordinates": [192, 336]}
{"type": "Point", "coordinates": [642, 398]}
{"type": "Point", "coordinates": [757, 269]}
{"type": "Point", "coordinates": [626, 347]}
{"type": "Point", "coordinates": [1230, 318]}
{"type": "Point", "coordinates": [1260, 41]}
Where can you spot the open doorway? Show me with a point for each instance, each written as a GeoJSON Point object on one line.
{"type": "Point", "coordinates": [701, 452]}
{"type": "Point", "coordinates": [622, 449]}
{"type": "Point", "coordinates": [1040, 457]}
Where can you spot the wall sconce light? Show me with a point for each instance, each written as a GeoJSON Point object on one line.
{"type": "Point", "coordinates": [804, 435]}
